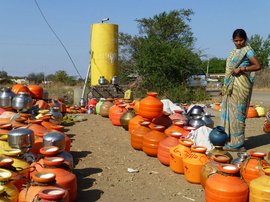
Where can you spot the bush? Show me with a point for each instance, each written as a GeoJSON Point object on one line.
{"type": "Point", "coordinates": [177, 94]}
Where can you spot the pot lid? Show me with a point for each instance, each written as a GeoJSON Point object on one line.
{"type": "Point", "coordinates": [44, 177]}
{"type": "Point", "coordinates": [49, 150]}
{"type": "Point", "coordinates": [5, 175]}
{"type": "Point", "coordinates": [6, 161]}
{"type": "Point", "coordinates": [12, 152]}
{"type": "Point", "coordinates": [52, 194]}
{"type": "Point", "coordinates": [20, 132]}
{"type": "Point", "coordinates": [53, 161]}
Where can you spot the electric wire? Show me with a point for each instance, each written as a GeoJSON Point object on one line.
{"type": "Point", "coordinates": [43, 16]}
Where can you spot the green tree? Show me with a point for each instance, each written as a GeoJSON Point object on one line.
{"type": "Point", "coordinates": [262, 49]}
{"type": "Point", "coordinates": [62, 77]}
{"type": "Point", "coordinates": [4, 78]}
{"type": "Point", "coordinates": [214, 65]}
{"type": "Point", "coordinates": [163, 53]}
{"type": "Point", "coordinates": [4, 75]}
{"type": "Point", "coordinates": [36, 78]}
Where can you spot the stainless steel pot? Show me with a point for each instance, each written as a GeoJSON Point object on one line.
{"type": "Point", "coordinates": [55, 139]}
{"type": "Point", "coordinates": [114, 80]}
{"type": "Point", "coordinates": [102, 80]}
{"type": "Point", "coordinates": [207, 119]}
{"type": "Point", "coordinates": [6, 96]}
{"type": "Point", "coordinates": [196, 121]}
{"type": "Point", "coordinates": [22, 102]}
{"type": "Point", "coordinates": [21, 138]}
{"type": "Point", "coordinates": [56, 114]}
{"type": "Point", "coordinates": [196, 110]}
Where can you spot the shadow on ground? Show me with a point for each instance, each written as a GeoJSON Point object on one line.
{"type": "Point", "coordinates": [78, 155]}
{"type": "Point", "coordinates": [85, 183]}
{"type": "Point", "coordinates": [257, 141]}
{"type": "Point", "coordinates": [71, 137]}
{"type": "Point", "coordinates": [84, 180]}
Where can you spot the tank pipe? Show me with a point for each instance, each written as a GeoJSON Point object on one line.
{"type": "Point", "coordinates": [85, 81]}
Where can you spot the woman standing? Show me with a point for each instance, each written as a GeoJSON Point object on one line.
{"type": "Point", "coordinates": [239, 77]}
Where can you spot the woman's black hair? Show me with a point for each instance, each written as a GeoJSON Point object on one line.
{"type": "Point", "coordinates": [240, 33]}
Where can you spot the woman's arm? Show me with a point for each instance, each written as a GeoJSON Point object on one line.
{"type": "Point", "coordinates": [254, 64]}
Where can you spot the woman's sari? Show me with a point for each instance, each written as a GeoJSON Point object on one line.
{"type": "Point", "coordinates": [236, 97]}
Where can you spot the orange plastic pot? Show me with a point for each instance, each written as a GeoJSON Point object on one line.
{"type": "Point", "coordinates": [211, 167]}
{"type": "Point", "coordinates": [136, 138]}
{"type": "Point", "coordinates": [252, 112]}
{"type": "Point", "coordinates": [150, 106]}
{"type": "Point", "coordinates": [19, 88]}
{"type": "Point", "coordinates": [225, 185]}
{"type": "Point", "coordinates": [178, 115]}
{"type": "Point", "coordinates": [176, 127]}
{"type": "Point", "coordinates": [39, 132]}
{"type": "Point", "coordinates": [135, 122]}
{"type": "Point", "coordinates": [164, 147]}
{"type": "Point", "coordinates": [266, 127]}
{"type": "Point", "coordinates": [42, 104]}
{"type": "Point", "coordinates": [36, 91]}
{"type": "Point", "coordinates": [136, 106]}
{"type": "Point", "coordinates": [116, 113]}
{"type": "Point", "coordinates": [63, 177]}
{"type": "Point", "coordinates": [252, 166]}
{"type": "Point", "coordinates": [40, 181]}
{"type": "Point", "coordinates": [216, 106]}
{"type": "Point", "coordinates": [193, 164]}
{"type": "Point", "coordinates": [187, 130]}
{"type": "Point", "coordinates": [178, 153]}
{"type": "Point", "coordinates": [151, 140]}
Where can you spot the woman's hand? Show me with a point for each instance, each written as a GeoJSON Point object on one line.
{"type": "Point", "coordinates": [237, 71]}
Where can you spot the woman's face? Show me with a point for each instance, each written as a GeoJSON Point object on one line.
{"type": "Point", "coordinates": [239, 42]}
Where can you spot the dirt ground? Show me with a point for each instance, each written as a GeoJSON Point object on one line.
{"type": "Point", "coordinates": [103, 155]}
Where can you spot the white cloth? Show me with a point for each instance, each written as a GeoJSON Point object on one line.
{"type": "Point", "coordinates": [200, 137]}
{"type": "Point", "coordinates": [169, 106]}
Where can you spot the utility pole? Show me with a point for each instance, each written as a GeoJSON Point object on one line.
{"type": "Point", "coordinates": [207, 68]}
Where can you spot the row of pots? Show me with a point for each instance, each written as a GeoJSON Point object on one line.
{"type": "Point", "coordinates": [50, 176]}
{"type": "Point", "coordinates": [252, 111]}
{"type": "Point", "coordinates": [218, 172]}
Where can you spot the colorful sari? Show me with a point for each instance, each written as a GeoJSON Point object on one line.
{"type": "Point", "coordinates": [236, 98]}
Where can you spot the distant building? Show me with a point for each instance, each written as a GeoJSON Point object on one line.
{"type": "Point", "coordinates": [20, 81]}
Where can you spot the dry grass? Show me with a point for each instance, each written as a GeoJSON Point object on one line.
{"type": "Point", "coordinates": [262, 79]}
{"type": "Point", "coordinates": [60, 90]}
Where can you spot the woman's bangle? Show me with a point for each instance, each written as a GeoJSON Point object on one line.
{"type": "Point", "coordinates": [246, 69]}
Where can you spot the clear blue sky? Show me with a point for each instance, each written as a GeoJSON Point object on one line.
{"type": "Point", "coordinates": [27, 45]}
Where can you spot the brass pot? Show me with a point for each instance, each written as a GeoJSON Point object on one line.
{"type": "Point", "coordinates": [125, 118]}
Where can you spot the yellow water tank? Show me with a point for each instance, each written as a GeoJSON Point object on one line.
{"type": "Point", "coordinates": [104, 52]}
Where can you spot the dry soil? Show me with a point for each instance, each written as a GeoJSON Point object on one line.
{"type": "Point", "coordinates": [103, 155]}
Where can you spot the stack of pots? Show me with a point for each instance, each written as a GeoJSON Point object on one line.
{"type": "Point", "coordinates": [63, 176]}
